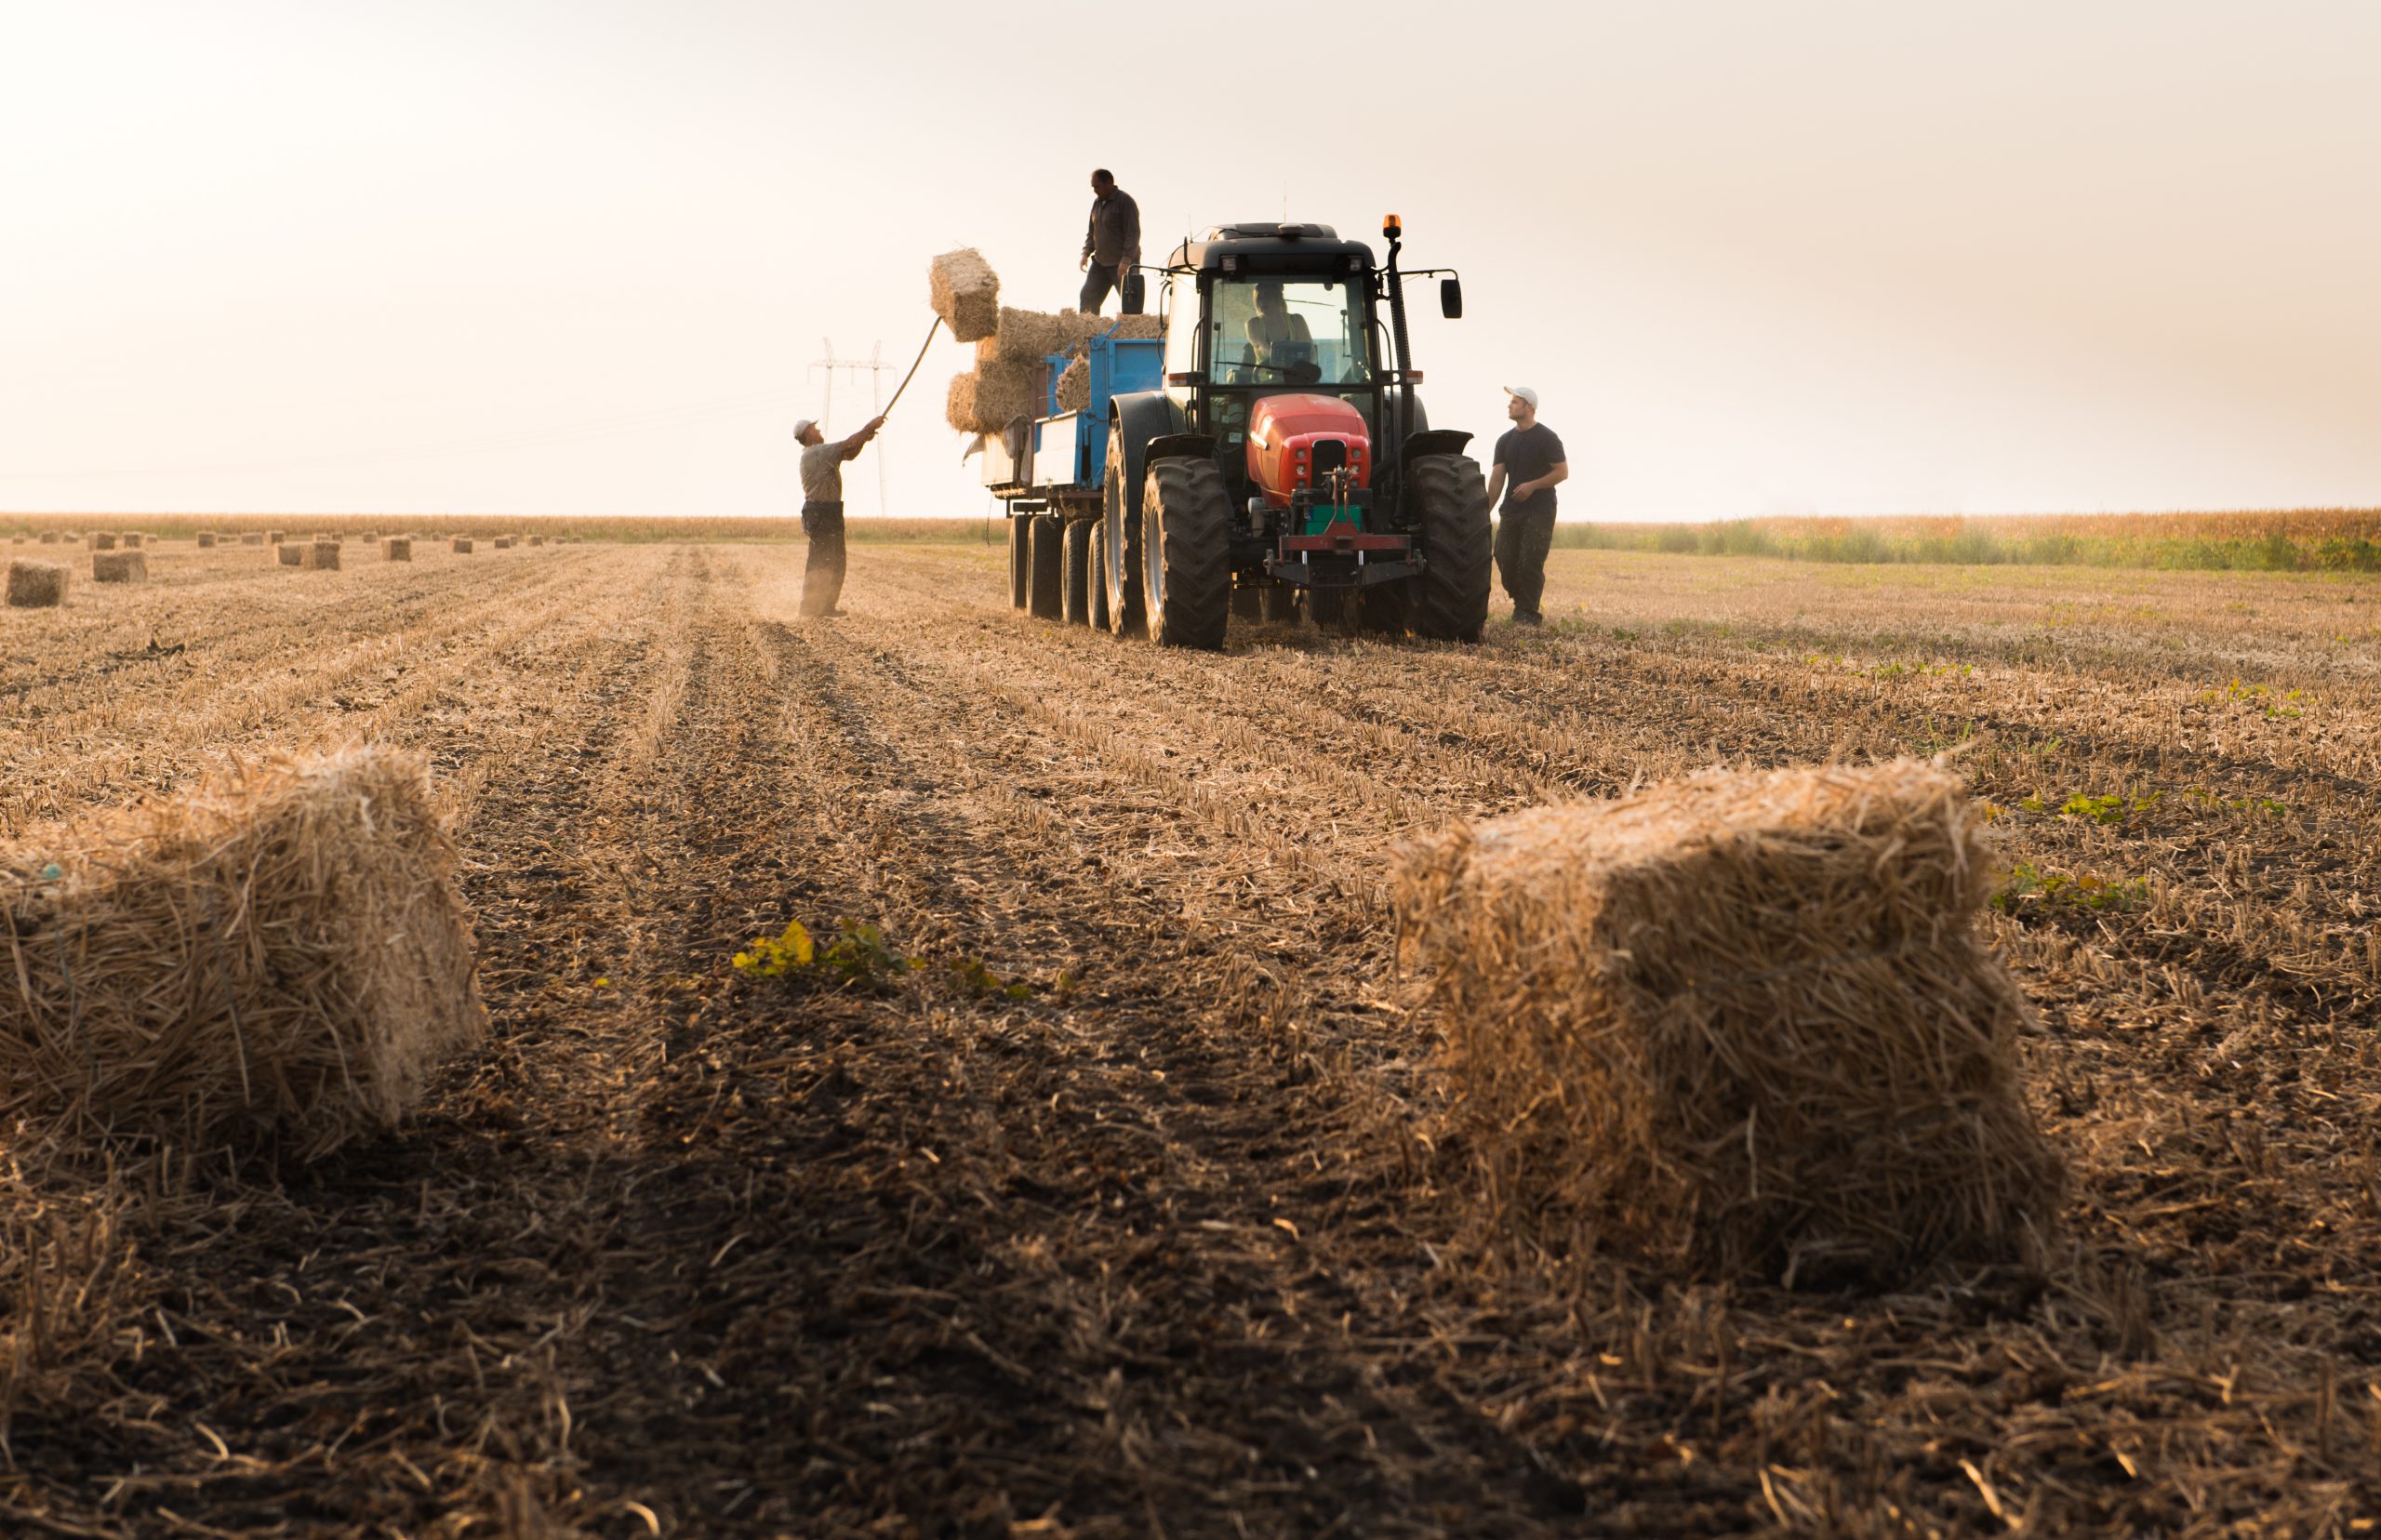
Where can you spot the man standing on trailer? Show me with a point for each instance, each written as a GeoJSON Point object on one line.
{"type": "Point", "coordinates": [1532, 456]}
{"type": "Point", "coordinates": [1112, 245]}
{"type": "Point", "coordinates": [822, 511]}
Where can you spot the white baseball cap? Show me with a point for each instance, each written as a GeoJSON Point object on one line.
{"type": "Point", "coordinates": [1524, 393]}
{"type": "Point", "coordinates": [804, 425]}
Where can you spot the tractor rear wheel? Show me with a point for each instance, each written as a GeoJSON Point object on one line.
{"type": "Point", "coordinates": [1119, 539]}
{"type": "Point", "coordinates": [1449, 504]}
{"type": "Point", "coordinates": [1021, 561]}
{"type": "Point", "coordinates": [1098, 578]}
{"type": "Point", "coordinates": [1048, 566]}
{"type": "Point", "coordinates": [1185, 552]}
{"type": "Point", "coordinates": [1076, 576]}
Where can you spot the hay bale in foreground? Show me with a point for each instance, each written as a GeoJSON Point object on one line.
{"type": "Point", "coordinates": [1741, 1023]}
{"type": "Point", "coordinates": [967, 294]}
{"type": "Point", "coordinates": [396, 548]}
{"type": "Point", "coordinates": [103, 540]}
{"type": "Point", "coordinates": [37, 585]}
{"type": "Point", "coordinates": [461, 545]}
{"type": "Point", "coordinates": [1075, 387]}
{"type": "Point", "coordinates": [986, 399]}
{"type": "Point", "coordinates": [291, 554]}
{"type": "Point", "coordinates": [281, 953]}
{"type": "Point", "coordinates": [319, 556]}
{"type": "Point", "coordinates": [119, 566]}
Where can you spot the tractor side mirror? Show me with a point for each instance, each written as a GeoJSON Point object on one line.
{"type": "Point", "coordinates": [1451, 298]}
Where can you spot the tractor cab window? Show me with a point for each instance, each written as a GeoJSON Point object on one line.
{"type": "Point", "coordinates": [1287, 332]}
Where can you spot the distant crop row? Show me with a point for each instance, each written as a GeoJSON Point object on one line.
{"type": "Point", "coordinates": [2298, 540]}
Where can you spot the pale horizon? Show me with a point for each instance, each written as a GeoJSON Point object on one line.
{"type": "Point", "coordinates": [529, 259]}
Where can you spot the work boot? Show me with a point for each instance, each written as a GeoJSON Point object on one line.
{"type": "Point", "coordinates": [1528, 617]}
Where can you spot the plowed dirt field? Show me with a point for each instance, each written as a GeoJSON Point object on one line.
{"type": "Point", "coordinates": [1123, 1212]}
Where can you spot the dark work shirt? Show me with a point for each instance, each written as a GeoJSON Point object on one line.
{"type": "Point", "coordinates": [1527, 454]}
{"type": "Point", "coordinates": [1114, 233]}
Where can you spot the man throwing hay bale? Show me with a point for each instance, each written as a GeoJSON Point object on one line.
{"type": "Point", "coordinates": [1741, 1024]}
{"type": "Point", "coordinates": [822, 511]}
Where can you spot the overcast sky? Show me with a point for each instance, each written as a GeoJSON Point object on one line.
{"type": "Point", "coordinates": [1765, 256]}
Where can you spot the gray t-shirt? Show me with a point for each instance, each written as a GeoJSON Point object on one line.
{"type": "Point", "coordinates": [822, 472]}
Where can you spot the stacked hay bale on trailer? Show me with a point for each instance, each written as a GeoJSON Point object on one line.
{"type": "Point", "coordinates": [37, 585]}
{"type": "Point", "coordinates": [1742, 1025]}
{"type": "Point", "coordinates": [278, 958]}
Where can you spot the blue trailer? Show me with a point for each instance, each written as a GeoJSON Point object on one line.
{"type": "Point", "coordinates": [1048, 472]}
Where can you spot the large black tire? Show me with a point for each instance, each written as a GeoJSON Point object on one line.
{"type": "Point", "coordinates": [1120, 538]}
{"type": "Point", "coordinates": [1021, 561]}
{"type": "Point", "coordinates": [1186, 551]}
{"type": "Point", "coordinates": [1049, 566]}
{"type": "Point", "coordinates": [1075, 576]}
{"type": "Point", "coordinates": [1448, 504]}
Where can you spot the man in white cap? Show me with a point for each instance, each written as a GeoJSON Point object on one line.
{"type": "Point", "coordinates": [1532, 456]}
{"type": "Point", "coordinates": [822, 511]}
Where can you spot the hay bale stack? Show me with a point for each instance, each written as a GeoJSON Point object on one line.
{"type": "Point", "coordinates": [1742, 1024]}
{"type": "Point", "coordinates": [37, 585]}
{"type": "Point", "coordinates": [985, 400]}
{"type": "Point", "coordinates": [1075, 387]}
{"type": "Point", "coordinates": [396, 548]}
{"type": "Point", "coordinates": [967, 294]}
{"type": "Point", "coordinates": [103, 540]}
{"type": "Point", "coordinates": [291, 552]}
{"type": "Point", "coordinates": [319, 556]}
{"type": "Point", "coordinates": [461, 545]}
{"type": "Point", "coordinates": [119, 566]}
{"type": "Point", "coordinates": [282, 953]}
{"type": "Point", "coordinates": [206, 540]}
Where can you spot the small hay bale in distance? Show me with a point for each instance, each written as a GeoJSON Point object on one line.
{"type": "Point", "coordinates": [461, 545]}
{"type": "Point", "coordinates": [1741, 1024]}
{"type": "Point", "coordinates": [967, 294]}
{"type": "Point", "coordinates": [274, 537]}
{"type": "Point", "coordinates": [252, 539]}
{"type": "Point", "coordinates": [119, 566]}
{"type": "Point", "coordinates": [37, 585]}
{"type": "Point", "coordinates": [103, 540]}
{"type": "Point", "coordinates": [503, 542]}
{"type": "Point", "coordinates": [131, 539]}
{"type": "Point", "coordinates": [279, 954]}
{"type": "Point", "coordinates": [292, 553]}
{"type": "Point", "coordinates": [206, 540]}
{"type": "Point", "coordinates": [537, 539]}
{"type": "Point", "coordinates": [319, 556]}
{"type": "Point", "coordinates": [396, 548]}
{"type": "Point", "coordinates": [48, 536]}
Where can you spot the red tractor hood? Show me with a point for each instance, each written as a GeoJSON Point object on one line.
{"type": "Point", "coordinates": [1283, 431]}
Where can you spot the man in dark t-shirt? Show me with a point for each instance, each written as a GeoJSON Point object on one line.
{"type": "Point", "coordinates": [1529, 466]}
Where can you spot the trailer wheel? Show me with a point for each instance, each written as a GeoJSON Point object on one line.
{"type": "Point", "coordinates": [1020, 562]}
{"type": "Point", "coordinates": [1048, 565]}
{"type": "Point", "coordinates": [1449, 503]}
{"type": "Point", "coordinates": [1119, 539]}
{"type": "Point", "coordinates": [1075, 574]}
{"type": "Point", "coordinates": [1185, 550]}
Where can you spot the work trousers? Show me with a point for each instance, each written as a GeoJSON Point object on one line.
{"type": "Point", "coordinates": [1522, 540]}
{"type": "Point", "coordinates": [822, 576]}
{"type": "Point", "coordinates": [1097, 280]}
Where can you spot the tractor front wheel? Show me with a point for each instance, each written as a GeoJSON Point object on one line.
{"type": "Point", "coordinates": [1450, 507]}
{"type": "Point", "coordinates": [1186, 553]}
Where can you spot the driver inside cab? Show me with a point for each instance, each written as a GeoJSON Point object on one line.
{"type": "Point", "coordinates": [1275, 337]}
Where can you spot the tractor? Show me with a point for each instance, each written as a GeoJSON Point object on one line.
{"type": "Point", "coordinates": [1275, 461]}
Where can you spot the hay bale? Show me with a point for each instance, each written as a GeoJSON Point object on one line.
{"type": "Point", "coordinates": [206, 540]}
{"type": "Point", "coordinates": [48, 536]}
{"type": "Point", "coordinates": [319, 556]}
{"type": "Point", "coordinates": [103, 540]}
{"type": "Point", "coordinates": [986, 399]}
{"type": "Point", "coordinates": [274, 537]}
{"type": "Point", "coordinates": [131, 539]}
{"type": "Point", "coordinates": [252, 539]}
{"type": "Point", "coordinates": [280, 953]}
{"type": "Point", "coordinates": [119, 566]}
{"type": "Point", "coordinates": [461, 545]}
{"type": "Point", "coordinates": [503, 542]}
{"type": "Point", "coordinates": [1075, 387]}
{"type": "Point", "coordinates": [396, 548]}
{"type": "Point", "coordinates": [1741, 1023]}
{"type": "Point", "coordinates": [967, 294]}
{"type": "Point", "coordinates": [1140, 328]}
{"type": "Point", "coordinates": [37, 585]}
{"type": "Point", "coordinates": [291, 554]}
{"type": "Point", "coordinates": [537, 539]}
